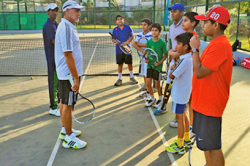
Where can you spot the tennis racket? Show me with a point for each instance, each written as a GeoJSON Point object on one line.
{"type": "Point", "coordinates": [84, 108]}
{"type": "Point", "coordinates": [152, 56]}
{"type": "Point", "coordinates": [189, 154]}
{"type": "Point", "coordinates": [125, 49]}
{"type": "Point", "coordinates": [142, 40]}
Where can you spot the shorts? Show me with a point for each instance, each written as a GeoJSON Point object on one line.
{"type": "Point", "coordinates": [121, 58]}
{"type": "Point", "coordinates": [155, 74]}
{"type": "Point", "coordinates": [208, 131]}
{"type": "Point", "coordinates": [66, 95]}
{"type": "Point", "coordinates": [178, 108]}
{"type": "Point", "coordinates": [143, 68]}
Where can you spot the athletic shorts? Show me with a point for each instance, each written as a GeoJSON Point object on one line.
{"type": "Point", "coordinates": [208, 131]}
{"type": "Point", "coordinates": [123, 58]}
{"type": "Point", "coordinates": [143, 68]}
{"type": "Point", "coordinates": [155, 74]}
{"type": "Point", "coordinates": [178, 108]}
{"type": "Point", "coordinates": [66, 95]}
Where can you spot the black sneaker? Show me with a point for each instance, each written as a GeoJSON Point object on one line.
{"type": "Point", "coordinates": [118, 82]}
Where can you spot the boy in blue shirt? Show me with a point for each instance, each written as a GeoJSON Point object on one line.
{"type": "Point", "coordinates": [125, 34]}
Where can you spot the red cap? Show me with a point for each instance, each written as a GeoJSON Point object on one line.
{"type": "Point", "coordinates": [216, 13]}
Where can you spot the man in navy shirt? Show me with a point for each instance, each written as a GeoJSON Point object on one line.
{"type": "Point", "coordinates": [125, 34]}
{"type": "Point", "coordinates": [49, 32]}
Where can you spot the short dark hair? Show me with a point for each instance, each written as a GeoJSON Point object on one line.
{"type": "Point", "coordinates": [184, 38]}
{"type": "Point", "coordinates": [118, 15]}
{"type": "Point", "coordinates": [156, 25]}
{"type": "Point", "coordinates": [190, 16]}
{"type": "Point", "coordinates": [147, 20]}
{"type": "Point", "coordinates": [222, 26]}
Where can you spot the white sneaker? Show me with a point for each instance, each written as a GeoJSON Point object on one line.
{"type": "Point", "coordinates": [158, 103]}
{"type": "Point", "coordinates": [76, 133]}
{"type": "Point", "coordinates": [143, 93]}
{"type": "Point", "coordinates": [73, 142]}
{"type": "Point", "coordinates": [164, 108]}
{"type": "Point", "coordinates": [150, 103]}
{"type": "Point", "coordinates": [173, 124]}
{"type": "Point", "coordinates": [191, 134]}
{"type": "Point", "coordinates": [148, 97]}
{"type": "Point", "coordinates": [55, 112]}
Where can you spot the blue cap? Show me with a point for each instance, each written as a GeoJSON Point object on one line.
{"type": "Point", "coordinates": [177, 6]}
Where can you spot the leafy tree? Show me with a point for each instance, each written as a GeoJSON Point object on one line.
{"type": "Point", "coordinates": [89, 4]}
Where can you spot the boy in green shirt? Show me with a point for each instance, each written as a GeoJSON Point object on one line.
{"type": "Point", "coordinates": [159, 46]}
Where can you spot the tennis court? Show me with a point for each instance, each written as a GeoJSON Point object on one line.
{"type": "Point", "coordinates": [123, 132]}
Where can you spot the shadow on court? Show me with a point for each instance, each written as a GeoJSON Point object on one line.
{"type": "Point", "coordinates": [122, 133]}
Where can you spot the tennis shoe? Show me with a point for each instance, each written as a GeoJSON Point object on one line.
{"type": "Point", "coordinates": [143, 88]}
{"type": "Point", "coordinates": [55, 112]}
{"type": "Point", "coordinates": [150, 103]}
{"type": "Point", "coordinates": [175, 149]}
{"type": "Point", "coordinates": [158, 103]}
{"type": "Point", "coordinates": [158, 111]}
{"type": "Point", "coordinates": [148, 97]}
{"type": "Point", "coordinates": [76, 133]}
{"type": "Point", "coordinates": [191, 134]}
{"type": "Point", "coordinates": [118, 82]}
{"type": "Point", "coordinates": [73, 142]}
{"type": "Point", "coordinates": [173, 124]}
{"type": "Point", "coordinates": [133, 80]}
{"type": "Point", "coordinates": [143, 93]}
{"type": "Point", "coordinates": [187, 144]}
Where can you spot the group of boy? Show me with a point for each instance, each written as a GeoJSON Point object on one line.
{"type": "Point", "coordinates": [207, 77]}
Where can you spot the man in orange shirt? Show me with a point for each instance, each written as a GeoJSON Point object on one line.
{"type": "Point", "coordinates": [211, 83]}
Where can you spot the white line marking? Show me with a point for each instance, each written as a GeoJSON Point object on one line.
{"type": "Point", "coordinates": [53, 154]}
{"type": "Point", "coordinates": [163, 139]}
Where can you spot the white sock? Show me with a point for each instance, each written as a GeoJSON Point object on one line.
{"type": "Point", "coordinates": [120, 76]}
{"type": "Point", "coordinates": [160, 98]}
{"type": "Point", "coordinates": [131, 74]}
{"type": "Point", "coordinates": [152, 97]}
{"type": "Point", "coordinates": [63, 130]}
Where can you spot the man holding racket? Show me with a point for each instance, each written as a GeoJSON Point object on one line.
{"type": "Point", "coordinates": [140, 44]}
{"type": "Point", "coordinates": [49, 33]}
{"type": "Point", "coordinates": [154, 67]}
{"type": "Point", "coordinates": [211, 83]}
{"type": "Point", "coordinates": [68, 58]}
{"type": "Point", "coordinates": [125, 35]}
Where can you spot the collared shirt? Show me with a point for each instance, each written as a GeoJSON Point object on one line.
{"type": "Point", "coordinates": [49, 32]}
{"type": "Point", "coordinates": [67, 40]}
{"type": "Point", "coordinates": [122, 34]}
{"type": "Point", "coordinates": [175, 30]}
{"type": "Point", "coordinates": [182, 85]}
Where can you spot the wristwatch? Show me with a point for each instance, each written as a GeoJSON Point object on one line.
{"type": "Point", "coordinates": [194, 50]}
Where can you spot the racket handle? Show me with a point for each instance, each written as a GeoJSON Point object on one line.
{"type": "Point", "coordinates": [71, 80]}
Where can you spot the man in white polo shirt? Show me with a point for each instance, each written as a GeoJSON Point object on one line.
{"type": "Point", "coordinates": [68, 58]}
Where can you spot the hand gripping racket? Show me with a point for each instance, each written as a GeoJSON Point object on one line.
{"type": "Point", "coordinates": [85, 105]}
{"type": "Point", "coordinates": [125, 49]}
{"type": "Point", "coordinates": [189, 154]}
{"type": "Point", "coordinates": [154, 57]}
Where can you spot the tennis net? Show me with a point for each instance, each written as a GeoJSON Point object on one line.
{"type": "Point", "coordinates": [26, 57]}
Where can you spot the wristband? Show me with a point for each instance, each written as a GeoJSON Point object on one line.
{"type": "Point", "coordinates": [75, 79]}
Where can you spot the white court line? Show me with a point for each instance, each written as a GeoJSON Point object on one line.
{"type": "Point", "coordinates": [163, 139]}
{"type": "Point", "coordinates": [53, 154]}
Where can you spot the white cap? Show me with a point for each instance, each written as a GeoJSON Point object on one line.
{"type": "Point", "coordinates": [52, 6]}
{"type": "Point", "coordinates": [71, 5]}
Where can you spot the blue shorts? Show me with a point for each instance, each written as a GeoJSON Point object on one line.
{"type": "Point", "coordinates": [178, 108]}
{"type": "Point", "coordinates": [208, 131]}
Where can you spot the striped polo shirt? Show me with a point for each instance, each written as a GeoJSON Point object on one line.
{"type": "Point", "coordinates": [67, 40]}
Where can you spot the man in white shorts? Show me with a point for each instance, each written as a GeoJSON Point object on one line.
{"type": "Point", "coordinates": [68, 58]}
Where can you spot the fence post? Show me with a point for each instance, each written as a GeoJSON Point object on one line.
{"type": "Point", "coordinates": [164, 14]}
{"type": "Point", "coordinates": [109, 16]}
{"type": "Point", "coordinates": [206, 8]}
{"type": "Point", "coordinates": [238, 21]}
{"type": "Point", "coordinates": [19, 19]}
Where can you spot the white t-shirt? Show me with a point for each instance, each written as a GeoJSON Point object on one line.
{"type": "Point", "coordinates": [175, 30]}
{"type": "Point", "coordinates": [182, 85]}
{"type": "Point", "coordinates": [148, 36]}
{"type": "Point", "coordinates": [67, 40]}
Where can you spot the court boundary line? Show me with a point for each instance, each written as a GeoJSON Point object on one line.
{"type": "Point", "coordinates": [56, 147]}
{"type": "Point", "coordinates": [163, 139]}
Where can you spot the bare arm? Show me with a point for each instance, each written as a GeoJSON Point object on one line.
{"type": "Point", "coordinates": [163, 59]}
{"type": "Point", "coordinates": [116, 42]}
{"type": "Point", "coordinates": [136, 46]}
{"type": "Point", "coordinates": [174, 54]}
{"type": "Point", "coordinates": [199, 70]}
{"type": "Point", "coordinates": [128, 41]}
{"type": "Point", "coordinates": [72, 67]}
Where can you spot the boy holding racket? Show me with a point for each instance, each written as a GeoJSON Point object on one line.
{"type": "Point", "coordinates": [124, 34]}
{"type": "Point", "coordinates": [159, 46]}
{"type": "Point", "coordinates": [140, 44]}
{"type": "Point", "coordinates": [181, 71]}
{"type": "Point", "coordinates": [188, 24]}
{"type": "Point", "coordinates": [211, 83]}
